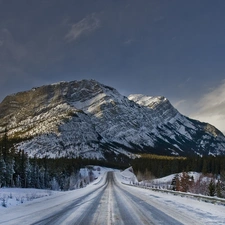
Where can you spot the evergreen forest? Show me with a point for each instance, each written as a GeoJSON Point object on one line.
{"type": "Point", "coordinates": [19, 170]}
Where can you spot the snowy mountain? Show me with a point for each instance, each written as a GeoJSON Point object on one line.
{"type": "Point", "coordinates": [88, 119]}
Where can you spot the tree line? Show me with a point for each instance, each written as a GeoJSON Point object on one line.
{"type": "Point", "coordinates": [19, 170]}
{"type": "Point", "coordinates": [161, 166]}
{"type": "Point", "coordinates": [210, 182]}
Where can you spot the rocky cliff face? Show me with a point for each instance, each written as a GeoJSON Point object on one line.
{"type": "Point", "coordinates": [88, 119]}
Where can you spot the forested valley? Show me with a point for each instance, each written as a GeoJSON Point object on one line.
{"type": "Point", "coordinates": [161, 166]}
{"type": "Point", "coordinates": [210, 170]}
{"type": "Point", "coordinates": [19, 170]}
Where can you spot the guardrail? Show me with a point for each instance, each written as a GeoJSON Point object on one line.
{"type": "Point", "coordinates": [210, 199]}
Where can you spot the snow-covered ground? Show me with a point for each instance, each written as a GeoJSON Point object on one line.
{"type": "Point", "coordinates": [207, 213]}
{"type": "Point", "coordinates": [175, 206]}
{"type": "Point", "coordinates": [15, 196]}
{"type": "Point", "coordinates": [10, 197]}
{"type": "Point", "coordinates": [169, 178]}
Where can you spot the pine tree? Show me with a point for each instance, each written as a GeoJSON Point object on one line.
{"type": "Point", "coordinates": [2, 171]}
{"type": "Point", "coordinates": [24, 170]}
{"type": "Point", "coordinates": [212, 188]}
{"type": "Point", "coordinates": [34, 176]}
{"type": "Point", "coordinates": [42, 177]}
{"type": "Point", "coordinates": [27, 170]}
{"type": "Point", "coordinates": [10, 171]}
{"type": "Point", "coordinates": [5, 145]}
{"type": "Point", "coordinates": [54, 184]}
{"type": "Point", "coordinates": [173, 182]}
{"type": "Point", "coordinates": [218, 189]}
{"type": "Point", "coordinates": [91, 175]}
{"type": "Point", "coordinates": [18, 181]}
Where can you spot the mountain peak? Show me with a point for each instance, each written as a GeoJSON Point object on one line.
{"type": "Point", "coordinates": [89, 119]}
{"type": "Point", "coordinates": [148, 101]}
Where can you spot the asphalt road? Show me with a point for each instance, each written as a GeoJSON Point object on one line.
{"type": "Point", "coordinates": [106, 203]}
{"type": "Point", "coordinates": [109, 204]}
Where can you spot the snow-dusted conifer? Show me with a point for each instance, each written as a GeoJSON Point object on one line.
{"type": "Point", "coordinates": [10, 163]}
{"type": "Point", "coordinates": [212, 188]}
{"type": "Point", "coordinates": [2, 170]}
{"type": "Point", "coordinates": [54, 184]}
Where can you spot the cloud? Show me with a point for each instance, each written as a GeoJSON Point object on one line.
{"type": "Point", "coordinates": [159, 18]}
{"type": "Point", "coordinates": [83, 27]}
{"type": "Point", "coordinates": [178, 103]}
{"type": "Point", "coordinates": [184, 82]}
{"type": "Point", "coordinates": [129, 41]}
{"type": "Point", "coordinates": [211, 107]}
{"type": "Point", "coordinates": [10, 49]}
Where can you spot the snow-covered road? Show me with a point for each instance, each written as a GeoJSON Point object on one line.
{"type": "Point", "coordinates": [107, 201]}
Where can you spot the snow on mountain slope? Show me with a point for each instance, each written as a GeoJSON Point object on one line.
{"type": "Point", "coordinates": [88, 119]}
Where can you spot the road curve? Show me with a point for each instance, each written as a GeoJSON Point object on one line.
{"type": "Point", "coordinates": [108, 203]}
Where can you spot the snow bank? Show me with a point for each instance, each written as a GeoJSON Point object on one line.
{"type": "Point", "coordinates": [10, 197]}
{"type": "Point", "coordinates": [16, 196]}
{"type": "Point", "coordinates": [127, 176]}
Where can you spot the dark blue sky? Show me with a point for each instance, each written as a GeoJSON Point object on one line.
{"type": "Point", "coordinates": [172, 48]}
